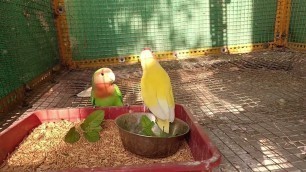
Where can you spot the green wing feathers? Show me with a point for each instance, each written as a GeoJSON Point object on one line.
{"type": "Point", "coordinates": [119, 94]}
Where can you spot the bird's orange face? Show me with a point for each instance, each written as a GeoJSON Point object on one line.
{"type": "Point", "coordinates": [104, 76]}
{"type": "Point", "coordinates": [103, 82]}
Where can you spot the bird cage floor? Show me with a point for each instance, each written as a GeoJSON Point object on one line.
{"type": "Point", "coordinates": [253, 106]}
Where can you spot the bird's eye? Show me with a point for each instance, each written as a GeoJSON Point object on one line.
{"type": "Point", "coordinates": [102, 74]}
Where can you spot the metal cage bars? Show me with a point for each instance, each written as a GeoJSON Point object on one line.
{"type": "Point", "coordinates": [281, 34]}
{"type": "Point", "coordinates": [280, 39]}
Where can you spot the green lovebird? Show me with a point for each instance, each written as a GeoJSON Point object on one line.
{"type": "Point", "coordinates": [104, 92]}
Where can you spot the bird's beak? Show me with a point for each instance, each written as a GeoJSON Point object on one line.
{"type": "Point", "coordinates": [112, 77]}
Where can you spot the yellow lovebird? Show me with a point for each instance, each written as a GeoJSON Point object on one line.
{"type": "Point", "coordinates": [156, 90]}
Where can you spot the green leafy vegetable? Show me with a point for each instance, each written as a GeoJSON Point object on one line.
{"type": "Point", "coordinates": [91, 128]}
{"type": "Point", "coordinates": [93, 120]}
{"type": "Point", "coordinates": [92, 136]}
{"type": "Point", "coordinates": [147, 125]}
{"type": "Point", "coordinates": [72, 136]}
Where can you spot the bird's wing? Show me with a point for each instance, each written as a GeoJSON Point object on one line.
{"type": "Point", "coordinates": [171, 104]}
{"type": "Point", "coordinates": [118, 92]}
{"type": "Point", "coordinates": [157, 95]}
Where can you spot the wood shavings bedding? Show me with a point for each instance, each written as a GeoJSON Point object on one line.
{"type": "Point", "coordinates": [44, 149]}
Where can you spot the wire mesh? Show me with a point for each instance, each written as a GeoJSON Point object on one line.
{"type": "Point", "coordinates": [297, 29]}
{"type": "Point", "coordinates": [112, 28]}
{"type": "Point", "coordinates": [28, 44]}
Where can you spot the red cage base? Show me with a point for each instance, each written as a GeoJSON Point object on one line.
{"type": "Point", "coordinates": [206, 155]}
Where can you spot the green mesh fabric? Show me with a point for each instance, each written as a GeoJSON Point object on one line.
{"type": "Point", "coordinates": [297, 28]}
{"type": "Point", "coordinates": [111, 28]}
{"type": "Point", "coordinates": [28, 44]}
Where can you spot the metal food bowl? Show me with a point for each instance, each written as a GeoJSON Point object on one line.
{"type": "Point", "coordinates": [150, 146]}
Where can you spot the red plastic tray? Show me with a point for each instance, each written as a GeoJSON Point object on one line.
{"type": "Point", "coordinates": [206, 155]}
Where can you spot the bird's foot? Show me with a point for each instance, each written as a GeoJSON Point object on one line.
{"type": "Point", "coordinates": [128, 107]}
{"type": "Point", "coordinates": [145, 109]}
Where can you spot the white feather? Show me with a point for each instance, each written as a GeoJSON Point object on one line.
{"type": "Point", "coordinates": [163, 105]}
{"type": "Point", "coordinates": [157, 111]}
{"type": "Point", "coordinates": [85, 93]}
{"type": "Point", "coordinates": [163, 111]}
{"type": "Point", "coordinates": [172, 115]}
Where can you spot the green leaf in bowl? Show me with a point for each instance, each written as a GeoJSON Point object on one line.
{"type": "Point", "coordinates": [147, 125]}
